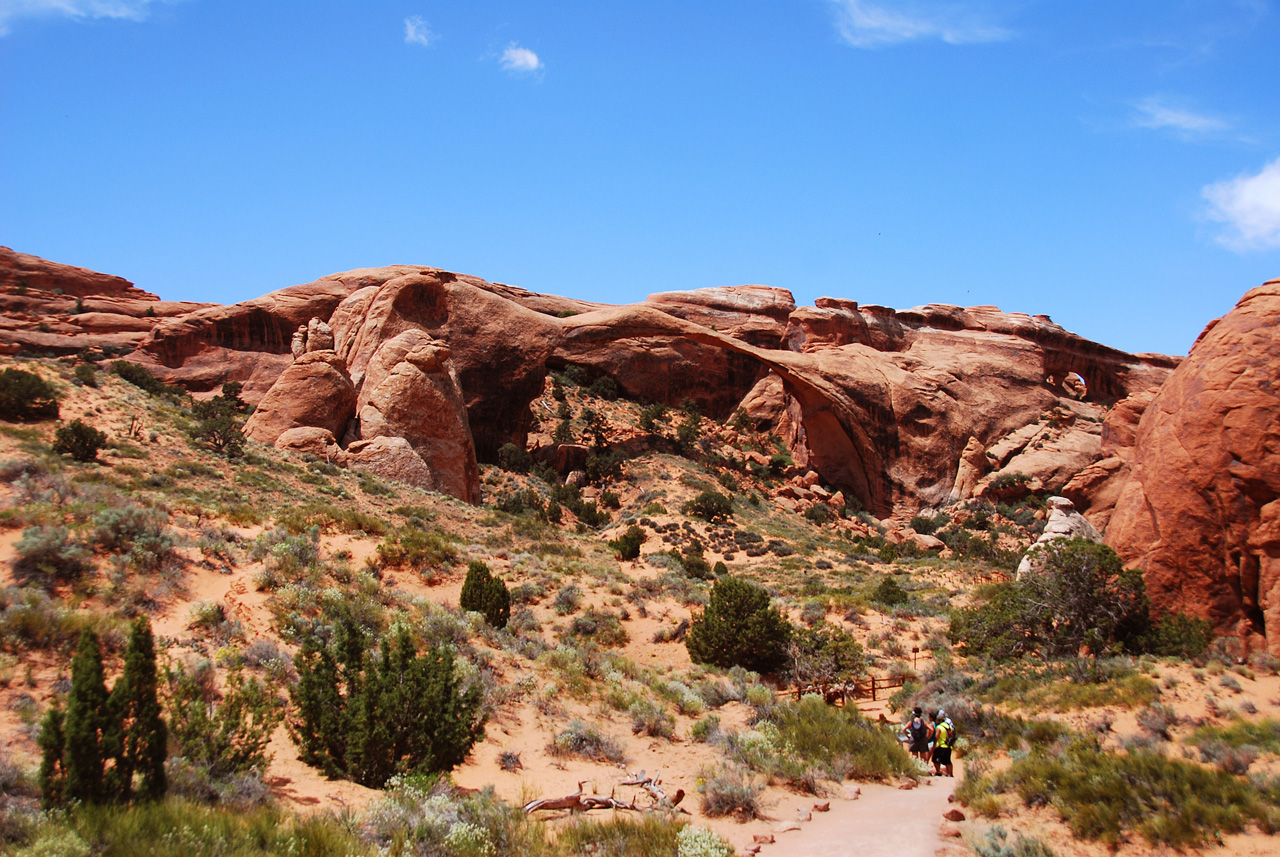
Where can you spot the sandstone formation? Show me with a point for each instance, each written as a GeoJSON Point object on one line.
{"type": "Point", "coordinates": [1064, 523]}
{"type": "Point", "coordinates": [1199, 511]}
{"type": "Point", "coordinates": [314, 391]}
{"type": "Point", "coordinates": [50, 308]}
{"type": "Point", "coordinates": [881, 403]}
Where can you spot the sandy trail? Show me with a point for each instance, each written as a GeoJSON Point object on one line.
{"type": "Point", "coordinates": [884, 822]}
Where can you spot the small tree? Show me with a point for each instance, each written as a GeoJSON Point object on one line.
{"type": "Point", "coordinates": [627, 545]}
{"type": "Point", "coordinates": [139, 736]}
{"type": "Point", "coordinates": [515, 459]}
{"type": "Point", "coordinates": [26, 396]}
{"type": "Point", "coordinates": [824, 655]}
{"type": "Point", "coordinates": [368, 719]}
{"type": "Point", "coordinates": [486, 594]}
{"type": "Point", "coordinates": [53, 758]}
{"type": "Point", "coordinates": [79, 440]}
{"type": "Point", "coordinates": [739, 628]}
{"type": "Point", "coordinates": [710, 506]}
{"type": "Point", "coordinates": [87, 720]}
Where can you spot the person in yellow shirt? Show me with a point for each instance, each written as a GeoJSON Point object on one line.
{"type": "Point", "coordinates": [944, 735]}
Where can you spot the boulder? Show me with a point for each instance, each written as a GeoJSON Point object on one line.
{"type": "Point", "coordinates": [410, 390]}
{"type": "Point", "coordinates": [315, 391]}
{"type": "Point", "coordinates": [319, 442]}
{"type": "Point", "coordinates": [391, 458]}
{"type": "Point", "coordinates": [1198, 512]}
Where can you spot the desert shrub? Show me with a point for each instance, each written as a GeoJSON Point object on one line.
{"type": "Point", "coordinates": [583, 739]}
{"type": "Point", "coordinates": [627, 545]}
{"type": "Point", "coordinates": [890, 593]}
{"type": "Point", "coordinates": [605, 388]}
{"type": "Point", "coordinates": [839, 741]}
{"type": "Point", "coordinates": [78, 440]}
{"type": "Point", "coordinates": [427, 816]}
{"type": "Point", "coordinates": [995, 843]}
{"type": "Point", "coordinates": [120, 528]}
{"type": "Point", "coordinates": [49, 555]}
{"type": "Point", "coordinates": [486, 594]}
{"type": "Point", "coordinates": [220, 432]}
{"type": "Point", "coordinates": [25, 396]}
{"type": "Point", "coordinates": [221, 736]}
{"type": "Point", "coordinates": [739, 628]}
{"type": "Point", "coordinates": [515, 459]}
{"type": "Point", "coordinates": [568, 600]}
{"type": "Point", "coordinates": [416, 547]}
{"type": "Point", "coordinates": [91, 751]}
{"type": "Point", "coordinates": [367, 719]}
{"type": "Point", "coordinates": [1158, 719]}
{"type": "Point", "coordinates": [651, 718]}
{"type": "Point", "coordinates": [179, 828]}
{"type": "Point", "coordinates": [1080, 595]}
{"type": "Point", "coordinates": [139, 377]}
{"type": "Point", "coordinates": [710, 506]}
{"type": "Point", "coordinates": [601, 627]}
{"type": "Point", "coordinates": [929, 524]}
{"type": "Point", "coordinates": [820, 513]}
{"type": "Point", "coordinates": [651, 416]}
{"type": "Point", "coordinates": [1176, 635]}
{"type": "Point", "coordinates": [728, 791]}
{"type": "Point", "coordinates": [87, 374]}
{"type": "Point", "coordinates": [1104, 796]}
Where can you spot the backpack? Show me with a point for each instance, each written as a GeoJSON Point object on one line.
{"type": "Point", "coordinates": [945, 735]}
{"type": "Point", "coordinates": [917, 729]}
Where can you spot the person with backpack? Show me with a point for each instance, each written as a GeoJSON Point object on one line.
{"type": "Point", "coordinates": [944, 738]}
{"type": "Point", "coordinates": [919, 734]}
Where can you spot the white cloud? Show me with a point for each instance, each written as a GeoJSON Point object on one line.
{"type": "Point", "coordinates": [520, 60]}
{"type": "Point", "coordinates": [1157, 114]}
{"type": "Point", "coordinates": [416, 31]}
{"type": "Point", "coordinates": [1249, 205]}
{"type": "Point", "coordinates": [129, 10]}
{"type": "Point", "coordinates": [867, 24]}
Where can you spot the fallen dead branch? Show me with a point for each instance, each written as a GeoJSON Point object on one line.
{"type": "Point", "coordinates": [579, 802]}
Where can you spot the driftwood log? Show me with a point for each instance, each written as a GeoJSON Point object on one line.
{"type": "Point", "coordinates": [579, 802]}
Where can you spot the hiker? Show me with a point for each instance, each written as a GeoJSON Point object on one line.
{"type": "Point", "coordinates": [919, 734]}
{"type": "Point", "coordinates": [944, 735]}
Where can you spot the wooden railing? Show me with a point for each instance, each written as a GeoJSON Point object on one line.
{"type": "Point", "coordinates": [871, 687]}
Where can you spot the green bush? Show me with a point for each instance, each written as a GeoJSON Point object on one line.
{"type": "Point", "coordinates": [840, 742]}
{"type": "Point", "coordinates": [407, 712]}
{"type": "Point", "coordinates": [486, 594]}
{"type": "Point", "coordinates": [1079, 595]}
{"type": "Point", "coordinates": [79, 440]}
{"type": "Point", "coordinates": [627, 545]}
{"type": "Point", "coordinates": [25, 396]}
{"type": "Point", "coordinates": [739, 628]}
{"type": "Point", "coordinates": [824, 655]}
{"type": "Point", "coordinates": [710, 506]}
{"type": "Point", "coordinates": [1104, 796]}
{"type": "Point", "coordinates": [515, 459]}
{"type": "Point", "coordinates": [140, 377]}
{"type": "Point", "coordinates": [584, 740]}
{"type": "Point", "coordinates": [890, 593]}
{"type": "Point", "coordinates": [87, 374]}
{"type": "Point", "coordinates": [222, 734]}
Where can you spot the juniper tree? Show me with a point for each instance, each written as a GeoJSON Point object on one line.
{"type": "Point", "coordinates": [486, 594]}
{"type": "Point", "coordinates": [53, 760]}
{"type": "Point", "coordinates": [138, 736]}
{"type": "Point", "coordinates": [739, 628]}
{"type": "Point", "coordinates": [87, 719]}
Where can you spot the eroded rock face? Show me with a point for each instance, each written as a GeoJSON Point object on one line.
{"type": "Point", "coordinates": [392, 458]}
{"type": "Point", "coordinates": [1199, 512]}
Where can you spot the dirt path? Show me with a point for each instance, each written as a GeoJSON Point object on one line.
{"type": "Point", "coordinates": [883, 822]}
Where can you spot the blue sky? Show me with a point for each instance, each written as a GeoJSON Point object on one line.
{"type": "Point", "coordinates": [1113, 164]}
